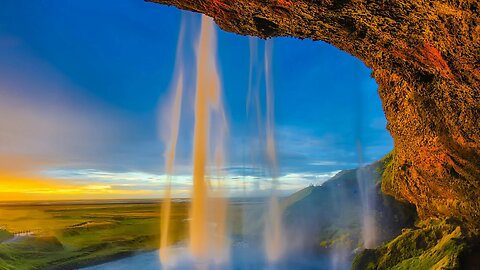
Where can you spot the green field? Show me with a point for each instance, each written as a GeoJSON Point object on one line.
{"type": "Point", "coordinates": [70, 236]}
{"type": "Point", "coordinates": [73, 235]}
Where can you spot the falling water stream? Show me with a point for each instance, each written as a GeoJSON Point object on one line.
{"type": "Point", "coordinates": [171, 143]}
{"type": "Point", "coordinates": [366, 187]}
{"type": "Point", "coordinates": [274, 242]}
{"type": "Point", "coordinates": [208, 241]}
{"type": "Point", "coordinates": [209, 245]}
{"type": "Point", "coordinates": [208, 235]}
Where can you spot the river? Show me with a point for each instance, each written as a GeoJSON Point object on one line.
{"type": "Point", "coordinates": [244, 258]}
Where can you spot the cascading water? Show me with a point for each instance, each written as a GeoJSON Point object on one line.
{"type": "Point", "coordinates": [170, 157]}
{"type": "Point", "coordinates": [171, 143]}
{"type": "Point", "coordinates": [218, 203]}
{"type": "Point", "coordinates": [207, 97]}
{"type": "Point", "coordinates": [274, 235]}
{"type": "Point", "coordinates": [208, 241]}
{"type": "Point", "coordinates": [274, 242]}
{"type": "Point", "coordinates": [366, 185]}
{"type": "Point", "coordinates": [209, 245]}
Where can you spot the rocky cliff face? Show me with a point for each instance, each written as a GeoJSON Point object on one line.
{"type": "Point", "coordinates": [425, 57]}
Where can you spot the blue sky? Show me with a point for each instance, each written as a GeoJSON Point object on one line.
{"type": "Point", "coordinates": [81, 84]}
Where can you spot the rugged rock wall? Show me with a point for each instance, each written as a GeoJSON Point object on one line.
{"type": "Point", "coordinates": [425, 56]}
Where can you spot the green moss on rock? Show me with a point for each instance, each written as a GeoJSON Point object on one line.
{"type": "Point", "coordinates": [388, 172]}
{"type": "Point", "coordinates": [434, 245]}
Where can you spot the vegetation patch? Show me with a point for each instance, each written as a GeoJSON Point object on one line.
{"type": "Point", "coordinates": [5, 235]}
{"type": "Point", "coordinates": [74, 236]}
{"type": "Point", "coordinates": [433, 245]}
{"type": "Point", "coordinates": [310, 210]}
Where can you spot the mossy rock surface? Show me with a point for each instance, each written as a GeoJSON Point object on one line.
{"type": "Point", "coordinates": [434, 245]}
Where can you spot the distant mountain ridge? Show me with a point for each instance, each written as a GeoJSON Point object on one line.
{"type": "Point", "coordinates": [331, 214]}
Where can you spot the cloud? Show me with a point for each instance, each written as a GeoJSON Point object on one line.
{"type": "Point", "coordinates": [47, 118]}
{"type": "Point", "coordinates": [57, 140]}
{"type": "Point", "coordinates": [296, 181]}
{"type": "Point", "coordinates": [31, 187]}
{"type": "Point", "coordinates": [49, 131]}
{"type": "Point", "coordinates": [234, 185]}
{"type": "Point", "coordinates": [330, 163]}
{"type": "Point", "coordinates": [9, 41]}
{"type": "Point", "coordinates": [46, 123]}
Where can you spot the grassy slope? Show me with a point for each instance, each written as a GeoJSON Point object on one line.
{"type": "Point", "coordinates": [331, 214]}
{"type": "Point", "coordinates": [73, 236]}
{"type": "Point", "coordinates": [313, 211]}
{"type": "Point", "coordinates": [4, 235]}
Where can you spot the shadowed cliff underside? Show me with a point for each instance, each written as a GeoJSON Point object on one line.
{"type": "Point", "coordinates": [425, 57]}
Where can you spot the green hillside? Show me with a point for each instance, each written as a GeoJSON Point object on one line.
{"type": "Point", "coordinates": [331, 214]}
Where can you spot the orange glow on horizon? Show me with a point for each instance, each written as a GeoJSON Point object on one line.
{"type": "Point", "coordinates": [19, 181]}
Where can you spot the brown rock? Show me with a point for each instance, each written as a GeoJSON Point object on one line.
{"type": "Point", "coordinates": [425, 57]}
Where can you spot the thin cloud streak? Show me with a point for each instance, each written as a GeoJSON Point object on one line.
{"type": "Point", "coordinates": [237, 185]}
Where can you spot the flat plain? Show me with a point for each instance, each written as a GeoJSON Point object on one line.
{"type": "Point", "coordinates": [67, 236]}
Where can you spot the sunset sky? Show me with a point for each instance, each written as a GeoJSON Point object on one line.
{"type": "Point", "coordinates": [83, 85]}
